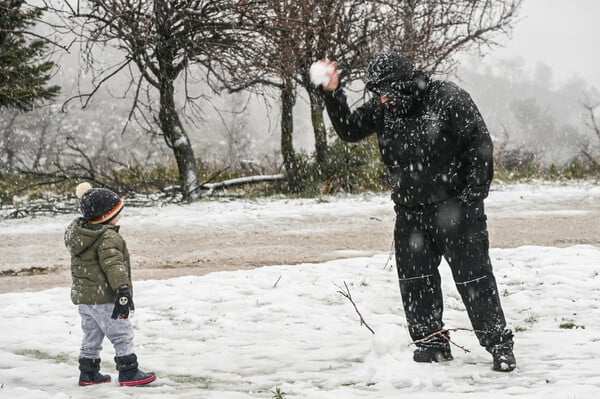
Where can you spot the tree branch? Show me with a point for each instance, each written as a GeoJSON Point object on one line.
{"type": "Point", "coordinates": [346, 294]}
{"type": "Point", "coordinates": [444, 335]}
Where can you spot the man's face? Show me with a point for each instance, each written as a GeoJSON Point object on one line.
{"type": "Point", "coordinates": [385, 100]}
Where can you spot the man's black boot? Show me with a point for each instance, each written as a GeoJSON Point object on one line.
{"type": "Point", "coordinates": [503, 356]}
{"type": "Point", "coordinates": [433, 352]}
{"type": "Point", "coordinates": [129, 374]}
{"type": "Point", "coordinates": [435, 349]}
{"type": "Point", "coordinates": [90, 372]}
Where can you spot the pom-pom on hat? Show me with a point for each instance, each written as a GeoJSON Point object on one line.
{"type": "Point", "coordinates": [98, 205]}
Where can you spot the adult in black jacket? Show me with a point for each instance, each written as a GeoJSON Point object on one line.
{"type": "Point", "coordinates": [438, 151]}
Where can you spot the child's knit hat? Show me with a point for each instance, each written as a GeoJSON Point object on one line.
{"type": "Point", "coordinates": [98, 205]}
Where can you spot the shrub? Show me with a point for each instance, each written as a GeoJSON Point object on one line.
{"type": "Point", "coordinates": [348, 167]}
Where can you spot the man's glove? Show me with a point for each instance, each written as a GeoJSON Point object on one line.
{"type": "Point", "coordinates": [123, 304]}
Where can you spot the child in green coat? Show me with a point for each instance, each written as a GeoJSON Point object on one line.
{"type": "Point", "coordinates": [102, 287]}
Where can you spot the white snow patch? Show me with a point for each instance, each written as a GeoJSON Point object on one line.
{"type": "Point", "coordinates": [180, 141]}
{"type": "Point", "coordinates": [240, 335]}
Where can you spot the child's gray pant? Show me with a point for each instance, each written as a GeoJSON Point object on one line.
{"type": "Point", "coordinates": [96, 324]}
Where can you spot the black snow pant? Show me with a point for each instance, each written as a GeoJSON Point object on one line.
{"type": "Point", "coordinates": [458, 232]}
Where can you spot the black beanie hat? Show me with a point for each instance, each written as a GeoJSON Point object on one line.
{"type": "Point", "coordinates": [98, 205]}
{"type": "Point", "coordinates": [392, 74]}
{"type": "Point", "coordinates": [387, 67]}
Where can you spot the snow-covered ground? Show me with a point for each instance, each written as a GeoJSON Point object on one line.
{"type": "Point", "coordinates": [246, 334]}
{"type": "Point", "coordinates": [523, 200]}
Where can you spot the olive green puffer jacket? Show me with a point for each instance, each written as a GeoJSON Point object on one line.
{"type": "Point", "coordinates": [99, 262]}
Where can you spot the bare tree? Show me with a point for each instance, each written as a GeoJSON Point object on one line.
{"type": "Point", "coordinates": [272, 63]}
{"type": "Point", "coordinates": [340, 30]}
{"type": "Point", "coordinates": [431, 32]}
{"type": "Point", "coordinates": [593, 123]}
{"type": "Point", "coordinates": [237, 139]}
{"type": "Point", "coordinates": [587, 148]}
{"type": "Point", "coordinates": [7, 141]}
{"type": "Point", "coordinates": [293, 35]}
{"type": "Point", "coordinates": [512, 156]}
{"type": "Point", "coordinates": [159, 42]}
{"type": "Point", "coordinates": [255, 42]}
{"type": "Point", "coordinates": [28, 140]}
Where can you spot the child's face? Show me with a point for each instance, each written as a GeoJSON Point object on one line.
{"type": "Point", "coordinates": [115, 220]}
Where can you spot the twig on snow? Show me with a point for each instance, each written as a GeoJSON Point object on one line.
{"type": "Point", "coordinates": [347, 295]}
{"type": "Point", "coordinates": [388, 264]}
{"type": "Point", "coordinates": [443, 333]}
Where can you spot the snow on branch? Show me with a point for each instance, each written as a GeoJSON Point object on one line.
{"type": "Point", "coordinates": [240, 181]}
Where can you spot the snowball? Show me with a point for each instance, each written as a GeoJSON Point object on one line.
{"type": "Point", "coordinates": [320, 73]}
{"type": "Point", "coordinates": [82, 188]}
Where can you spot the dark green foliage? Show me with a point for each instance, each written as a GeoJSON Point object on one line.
{"type": "Point", "coordinates": [23, 74]}
{"type": "Point", "coordinates": [6, 183]}
{"type": "Point", "coordinates": [33, 188]}
{"type": "Point", "coordinates": [553, 172]}
{"type": "Point", "coordinates": [573, 171]}
{"type": "Point", "coordinates": [278, 393]}
{"type": "Point", "coordinates": [521, 173]}
{"type": "Point", "coordinates": [347, 167]}
{"type": "Point", "coordinates": [569, 325]}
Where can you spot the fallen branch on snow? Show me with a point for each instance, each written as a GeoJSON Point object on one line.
{"type": "Point", "coordinates": [443, 333]}
{"type": "Point", "coordinates": [240, 181]}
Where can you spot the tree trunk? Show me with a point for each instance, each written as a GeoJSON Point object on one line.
{"type": "Point", "coordinates": [177, 139]}
{"type": "Point", "coordinates": [170, 124]}
{"type": "Point", "coordinates": [8, 140]}
{"type": "Point", "coordinates": [408, 17]}
{"type": "Point", "coordinates": [318, 123]}
{"type": "Point", "coordinates": [290, 159]}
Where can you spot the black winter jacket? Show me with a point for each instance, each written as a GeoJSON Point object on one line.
{"type": "Point", "coordinates": [440, 150]}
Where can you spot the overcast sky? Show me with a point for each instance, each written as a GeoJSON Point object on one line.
{"type": "Point", "coordinates": [564, 34]}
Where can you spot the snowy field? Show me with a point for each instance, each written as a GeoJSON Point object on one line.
{"type": "Point", "coordinates": [246, 334]}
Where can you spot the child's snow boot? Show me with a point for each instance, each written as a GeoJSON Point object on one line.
{"type": "Point", "coordinates": [129, 374]}
{"type": "Point", "coordinates": [90, 372]}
